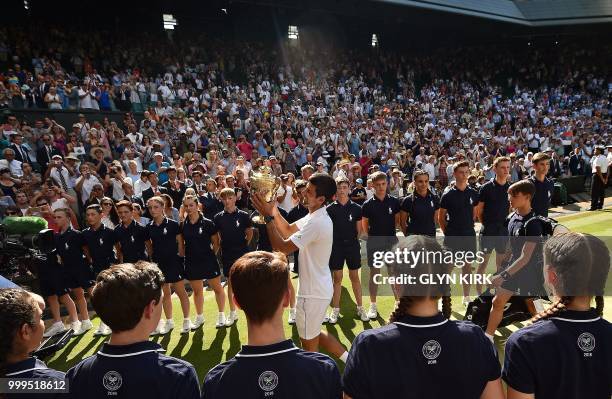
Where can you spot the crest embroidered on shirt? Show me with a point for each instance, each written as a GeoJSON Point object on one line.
{"type": "Point", "coordinates": [200, 231]}
{"type": "Point", "coordinates": [390, 211]}
{"type": "Point", "coordinates": [350, 218]}
{"type": "Point", "coordinates": [165, 231]}
{"type": "Point", "coordinates": [237, 223]}
{"type": "Point", "coordinates": [132, 238]}
{"type": "Point", "coordinates": [101, 242]}
{"type": "Point", "coordinates": [431, 202]}
{"type": "Point", "coordinates": [66, 246]}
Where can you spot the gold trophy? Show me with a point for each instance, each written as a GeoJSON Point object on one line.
{"type": "Point", "coordinates": [266, 184]}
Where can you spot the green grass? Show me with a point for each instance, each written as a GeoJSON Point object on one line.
{"type": "Point", "coordinates": [207, 347]}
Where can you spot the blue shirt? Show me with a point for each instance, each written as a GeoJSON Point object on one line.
{"type": "Point", "coordinates": [232, 229]}
{"type": "Point", "coordinates": [69, 246]}
{"type": "Point", "coordinates": [421, 357]}
{"type": "Point", "coordinates": [381, 215]}
{"type": "Point", "coordinates": [101, 243]}
{"type": "Point", "coordinates": [33, 368]}
{"type": "Point", "coordinates": [543, 195]}
{"type": "Point", "coordinates": [198, 245]}
{"type": "Point", "coordinates": [280, 370]}
{"type": "Point", "coordinates": [494, 196]}
{"type": "Point", "coordinates": [163, 177]}
{"type": "Point", "coordinates": [137, 370]}
{"type": "Point", "coordinates": [163, 240]}
{"type": "Point", "coordinates": [459, 205]}
{"type": "Point", "coordinates": [132, 240]}
{"type": "Point", "coordinates": [421, 212]}
{"type": "Point", "coordinates": [567, 356]}
{"type": "Point", "coordinates": [345, 218]}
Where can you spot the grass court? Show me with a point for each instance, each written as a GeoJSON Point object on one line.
{"type": "Point", "coordinates": [208, 346]}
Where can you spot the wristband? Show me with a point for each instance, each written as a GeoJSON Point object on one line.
{"type": "Point", "coordinates": [505, 275]}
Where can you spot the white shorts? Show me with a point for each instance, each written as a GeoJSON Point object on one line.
{"type": "Point", "coordinates": [309, 316]}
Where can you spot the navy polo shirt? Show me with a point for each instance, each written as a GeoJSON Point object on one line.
{"type": "Point", "coordinates": [33, 368]}
{"type": "Point", "coordinates": [345, 218]}
{"type": "Point", "coordinates": [101, 243]}
{"type": "Point", "coordinates": [381, 215]}
{"type": "Point", "coordinates": [69, 246]}
{"type": "Point", "coordinates": [421, 357]}
{"type": "Point", "coordinates": [421, 211]}
{"type": "Point", "coordinates": [137, 370]}
{"type": "Point", "coordinates": [211, 205]}
{"type": "Point", "coordinates": [543, 195]}
{"type": "Point", "coordinates": [566, 356]}
{"type": "Point", "coordinates": [263, 242]}
{"type": "Point", "coordinates": [280, 370]}
{"type": "Point", "coordinates": [496, 204]}
{"type": "Point", "coordinates": [459, 205]}
{"type": "Point", "coordinates": [523, 232]}
{"type": "Point", "coordinates": [197, 235]}
{"type": "Point", "coordinates": [132, 239]}
{"type": "Point", "coordinates": [163, 239]}
{"type": "Point", "coordinates": [232, 229]}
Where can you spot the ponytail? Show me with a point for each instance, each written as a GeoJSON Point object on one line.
{"type": "Point", "coordinates": [558, 307]}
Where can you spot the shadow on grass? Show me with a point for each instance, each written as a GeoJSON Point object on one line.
{"type": "Point", "coordinates": [205, 359]}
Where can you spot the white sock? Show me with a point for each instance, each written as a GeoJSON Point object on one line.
{"type": "Point", "coordinates": [292, 310]}
{"type": "Point", "coordinates": [186, 319]}
{"type": "Point", "coordinates": [344, 356]}
{"type": "Point", "coordinates": [490, 337]}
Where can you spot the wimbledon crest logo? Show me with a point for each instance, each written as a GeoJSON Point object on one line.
{"type": "Point", "coordinates": [112, 380]}
{"type": "Point", "coordinates": [268, 380]}
{"type": "Point", "coordinates": [431, 350]}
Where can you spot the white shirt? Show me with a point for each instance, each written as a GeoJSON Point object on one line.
{"type": "Point", "coordinates": [314, 240]}
{"type": "Point", "coordinates": [88, 186]}
{"type": "Point", "coordinates": [601, 161]}
{"type": "Point", "coordinates": [140, 186]}
{"type": "Point", "coordinates": [55, 175]}
{"type": "Point", "coordinates": [118, 192]}
{"type": "Point", "coordinates": [287, 203]}
{"type": "Point", "coordinates": [14, 166]}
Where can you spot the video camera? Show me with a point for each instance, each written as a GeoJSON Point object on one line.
{"type": "Point", "coordinates": [24, 244]}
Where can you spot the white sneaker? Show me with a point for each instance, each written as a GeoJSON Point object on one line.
{"type": "Point", "coordinates": [158, 328]}
{"type": "Point", "coordinates": [333, 316]}
{"type": "Point", "coordinates": [221, 320]}
{"type": "Point", "coordinates": [199, 321]}
{"type": "Point", "coordinates": [373, 312]}
{"type": "Point", "coordinates": [86, 325]}
{"type": "Point", "coordinates": [166, 327]}
{"type": "Point", "coordinates": [76, 327]}
{"type": "Point", "coordinates": [233, 318]}
{"type": "Point", "coordinates": [102, 328]}
{"type": "Point", "coordinates": [361, 313]}
{"type": "Point", "coordinates": [55, 328]}
{"type": "Point", "coordinates": [291, 319]}
{"type": "Point", "coordinates": [187, 326]}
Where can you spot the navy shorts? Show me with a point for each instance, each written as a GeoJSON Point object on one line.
{"type": "Point", "coordinates": [380, 244]}
{"type": "Point", "coordinates": [79, 276]}
{"type": "Point", "coordinates": [204, 269]}
{"type": "Point", "coordinates": [350, 254]}
{"type": "Point", "coordinates": [494, 238]}
{"type": "Point", "coordinates": [172, 269]}
{"type": "Point", "coordinates": [228, 259]}
{"type": "Point", "coordinates": [51, 278]}
{"type": "Point", "coordinates": [461, 242]}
